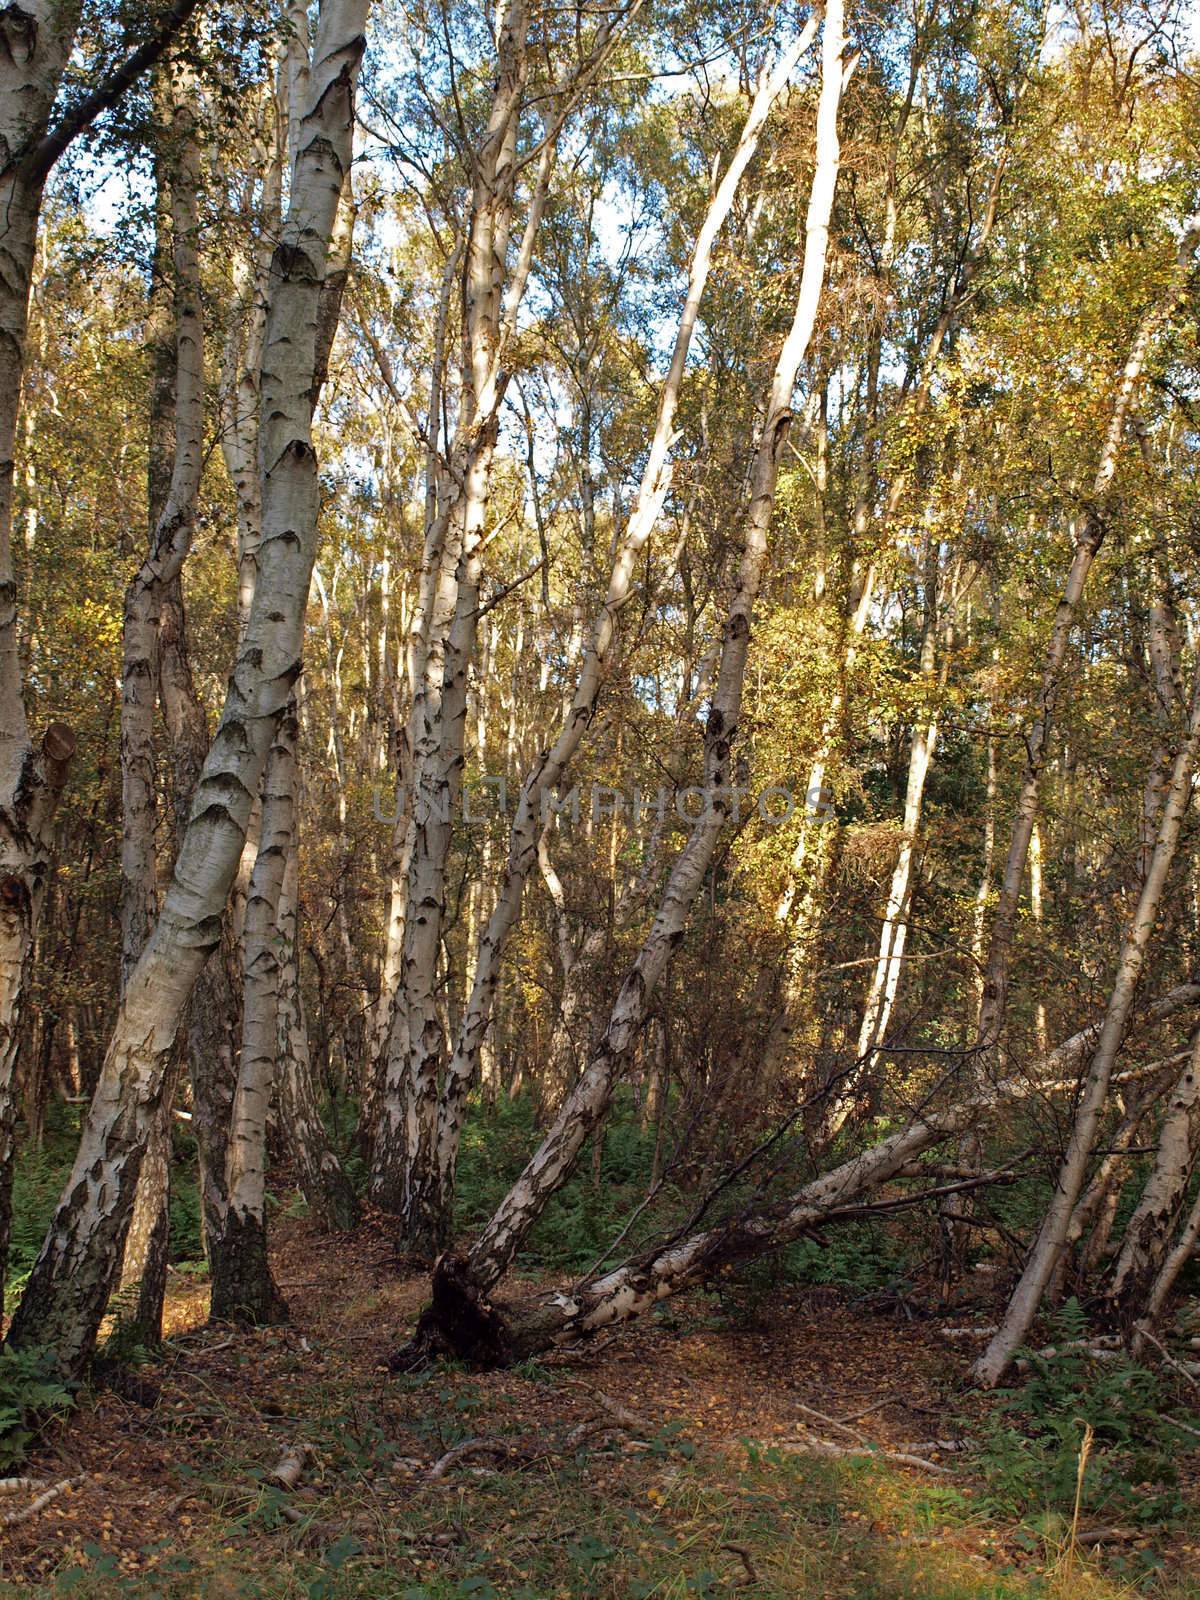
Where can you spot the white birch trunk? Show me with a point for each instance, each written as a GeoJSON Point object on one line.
{"type": "Point", "coordinates": [65, 1297]}
{"type": "Point", "coordinates": [36, 40]}
{"type": "Point", "coordinates": [555, 1159]}
{"type": "Point", "coordinates": [176, 458]}
{"type": "Point", "coordinates": [1052, 1237]}
{"type": "Point", "coordinates": [243, 1289]}
{"type": "Point", "coordinates": [552, 764]}
{"type": "Point", "coordinates": [665, 1270]}
{"type": "Point", "coordinates": [1177, 1258]}
{"type": "Point", "coordinates": [885, 979]}
{"type": "Point", "coordinates": [406, 1174]}
{"type": "Point", "coordinates": [1148, 1233]}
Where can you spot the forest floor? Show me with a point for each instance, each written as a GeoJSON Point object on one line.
{"type": "Point", "coordinates": [655, 1462]}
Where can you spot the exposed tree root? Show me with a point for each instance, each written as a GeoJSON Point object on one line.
{"type": "Point", "coordinates": [460, 1322]}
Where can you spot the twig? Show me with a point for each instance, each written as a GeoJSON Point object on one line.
{"type": "Point", "coordinates": [843, 1427]}
{"type": "Point", "coordinates": [622, 1414]}
{"type": "Point", "coordinates": [11, 1519]}
{"type": "Point", "coordinates": [19, 1485]}
{"type": "Point", "coordinates": [876, 1405]}
{"type": "Point", "coordinates": [308, 1524]}
{"type": "Point", "coordinates": [619, 1417]}
{"type": "Point", "coordinates": [914, 1446]}
{"type": "Point", "coordinates": [1178, 1366]}
{"type": "Point", "coordinates": [742, 1552]}
{"type": "Point", "coordinates": [867, 1444]}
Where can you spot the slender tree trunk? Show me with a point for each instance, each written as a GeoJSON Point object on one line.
{"type": "Point", "coordinates": [1052, 1237]}
{"type": "Point", "coordinates": [33, 56]}
{"type": "Point", "coordinates": [176, 457]}
{"type": "Point", "coordinates": [406, 1174]}
{"type": "Point", "coordinates": [885, 980]}
{"type": "Point", "coordinates": [416, 646]}
{"type": "Point", "coordinates": [403, 1178]}
{"type": "Point", "coordinates": [551, 766]}
{"type": "Point", "coordinates": [67, 1290]}
{"type": "Point", "coordinates": [801, 908]}
{"type": "Point", "coordinates": [243, 1289]}
{"type": "Point", "coordinates": [1177, 1258]}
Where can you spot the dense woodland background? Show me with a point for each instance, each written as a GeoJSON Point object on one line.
{"type": "Point", "coordinates": [634, 404]}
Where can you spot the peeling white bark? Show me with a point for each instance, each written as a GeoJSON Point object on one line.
{"type": "Point", "coordinates": [406, 1174]}
{"type": "Point", "coordinates": [1149, 1230]}
{"type": "Point", "coordinates": [65, 1297]}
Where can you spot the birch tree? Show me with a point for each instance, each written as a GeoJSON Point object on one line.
{"type": "Point", "coordinates": [176, 461]}
{"type": "Point", "coordinates": [67, 1290]}
{"type": "Point", "coordinates": [552, 765]}
{"type": "Point", "coordinates": [1052, 1236]}
{"type": "Point", "coordinates": [553, 1162]}
{"type": "Point", "coordinates": [38, 41]}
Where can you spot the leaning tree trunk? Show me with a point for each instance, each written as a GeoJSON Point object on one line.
{"type": "Point", "coordinates": [1052, 1236]}
{"type": "Point", "coordinates": [1180, 1253]}
{"type": "Point", "coordinates": [1096, 1209]}
{"type": "Point", "coordinates": [66, 1294]}
{"type": "Point", "coordinates": [555, 1159]}
{"type": "Point", "coordinates": [460, 1321]}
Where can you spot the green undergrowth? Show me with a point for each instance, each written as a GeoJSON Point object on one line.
{"type": "Point", "coordinates": [584, 1219]}
{"type": "Point", "coordinates": [1033, 1438]}
{"type": "Point", "coordinates": [755, 1522]}
{"type": "Point", "coordinates": [680, 1513]}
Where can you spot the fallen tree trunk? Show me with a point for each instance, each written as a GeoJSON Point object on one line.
{"type": "Point", "coordinates": [461, 1322]}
